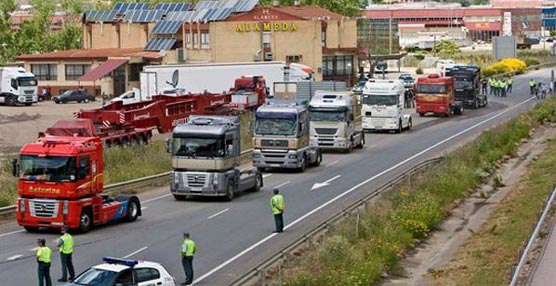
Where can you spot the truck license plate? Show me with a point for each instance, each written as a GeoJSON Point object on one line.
{"type": "Point", "coordinates": [195, 189]}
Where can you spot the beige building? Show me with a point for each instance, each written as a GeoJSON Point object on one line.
{"type": "Point", "coordinates": [309, 35]}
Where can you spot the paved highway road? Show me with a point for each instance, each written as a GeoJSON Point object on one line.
{"type": "Point", "coordinates": [544, 274]}
{"type": "Point", "coordinates": [233, 237]}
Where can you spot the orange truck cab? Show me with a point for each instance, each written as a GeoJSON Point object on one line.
{"type": "Point", "coordinates": [436, 94]}
{"type": "Point", "coordinates": [60, 183]}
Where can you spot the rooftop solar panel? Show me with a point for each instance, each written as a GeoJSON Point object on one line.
{"type": "Point", "coordinates": [143, 16]}
{"type": "Point", "coordinates": [172, 7]}
{"type": "Point", "coordinates": [224, 14]}
{"type": "Point", "coordinates": [246, 5]}
{"type": "Point", "coordinates": [159, 44]}
{"type": "Point", "coordinates": [123, 7]}
{"type": "Point", "coordinates": [176, 15]}
{"type": "Point", "coordinates": [100, 16]}
{"type": "Point", "coordinates": [167, 27]}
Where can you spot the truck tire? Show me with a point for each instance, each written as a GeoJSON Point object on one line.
{"type": "Point", "coordinates": [409, 124]}
{"type": "Point", "coordinates": [303, 164]}
{"type": "Point", "coordinates": [422, 114]}
{"type": "Point", "coordinates": [319, 159]}
{"type": "Point", "coordinates": [476, 103]}
{"type": "Point", "coordinates": [28, 104]}
{"type": "Point", "coordinates": [133, 209]}
{"type": "Point", "coordinates": [85, 220]}
{"type": "Point", "coordinates": [258, 183]}
{"type": "Point", "coordinates": [230, 191]}
{"type": "Point", "coordinates": [399, 130]}
{"type": "Point", "coordinates": [10, 101]}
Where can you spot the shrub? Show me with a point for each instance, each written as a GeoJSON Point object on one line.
{"type": "Point", "coordinates": [419, 56]}
{"type": "Point", "coordinates": [532, 62]}
{"type": "Point", "coordinates": [509, 65]}
{"type": "Point", "coordinates": [419, 71]}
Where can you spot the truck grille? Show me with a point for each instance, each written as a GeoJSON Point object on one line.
{"type": "Point", "coordinates": [196, 180]}
{"type": "Point", "coordinates": [28, 92]}
{"type": "Point", "coordinates": [326, 131]}
{"type": "Point", "coordinates": [43, 208]}
{"type": "Point", "coordinates": [274, 143]}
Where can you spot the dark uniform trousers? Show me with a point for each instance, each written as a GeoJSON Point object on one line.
{"type": "Point", "coordinates": [279, 222]}
{"type": "Point", "coordinates": [67, 263]}
{"type": "Point", "coordinates": [44, 274]}
{"type": "Point", "coordinates": [187, 263]}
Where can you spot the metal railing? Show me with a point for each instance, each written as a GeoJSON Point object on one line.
{"type": "Point", "coordinates": [260, 271]}
{"type": "Point", "coordinates": [516, 271]}
{"type": "Point", "coordinates": [136, 185]}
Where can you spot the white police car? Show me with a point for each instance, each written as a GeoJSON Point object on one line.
{"type": "Point", "coordinates": [124, 272]}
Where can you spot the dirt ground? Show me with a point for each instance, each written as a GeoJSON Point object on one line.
{"type": "Point", "coordinates": [421, 264]}
{"type": "Point", "coordinates": [21, 124]}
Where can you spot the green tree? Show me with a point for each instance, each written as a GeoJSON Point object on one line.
{"type": "Point", "coordinates": [7, 49]}
{"type": "Point", "coordinates": [446, 47]}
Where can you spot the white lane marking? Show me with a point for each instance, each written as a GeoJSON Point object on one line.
{"type": "Point", "coordinates": [266, 175]}
{"type": "Point", "coordinates": [135, 252]}
{"type": "Point", "coordinates": [282, 184]}
{"type": "Point", "coordinates": [157, 198]}
{"type": "Point", "coordinates": [325, 183]}
{"type": "Point", "coordinates": [233, 258]}
{"type": "Point", "coordinates": [14, 257]}
{"type": "Point", "coordinates": [8, 233]}
{"type": "Point", "coordinates": [219, 213]}
{"type": "Point", "coordinates": [371, 147]}
{"type": "Point", "coordinates": [332, 163]}
{"type": "Point", "coordinates": [35, 248]}
{"type": "Point", "coordinates": [225, 263]}
{"type": "Point", "coordinates": [144, 208]}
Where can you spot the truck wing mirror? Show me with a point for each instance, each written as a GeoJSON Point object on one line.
{"type": "Point", "coordinates": [167, 145]}
{"type": "Point", "coordinates": [15, 167]}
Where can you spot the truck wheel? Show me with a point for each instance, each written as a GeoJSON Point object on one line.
{"type": "Point", "coordinates": [31, 229]}
{"type": "Point", "coordinates": [258, 183]}
{"type": "Point", "coordinates": [476, 104]}
{"type": "Point", "coordinates": [28, 104]}
{"type": "Point", "coordinates": [409, 124]}
{"type": "Point", "coordinates": [132, 210]}
{"type": "Point", "coordinates": [179, 197]}
{"type": "Point", "coordinates": [399, 130]}
{"type": "Point", "coordinates": [319, 159]}
{"type": "Point", "coordinates": [421, 114]}
{"type": "Point", "coordinates": [361, 141]}
{"type": "Point", "coordinates": [230, 192]}
{"type": "Point", "coordinates": [85, 220]}
{"type": "Point", "coordinates": [10, 101]}
{"type": "Point", "coordinates": [303, 164]}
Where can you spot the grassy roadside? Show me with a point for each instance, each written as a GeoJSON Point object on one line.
{"type": "Point", "coordinates": [408, 214]}
{"type": "Point", "coordinates": [486, 256]}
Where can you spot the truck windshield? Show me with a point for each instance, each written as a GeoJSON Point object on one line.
{"type": "Point", "coordinates": [431, 88]}
{"type": "Point", "coordinates": [26, 81]}
{"type": "Point", "coordinates": [276, 123]}
{"type": "Point", "coordinates": [51, 168]}
{"type": "Point", "coordinates": [198, 147]}
{"type": "Point", "coordinates": [96, 277]}
{"type": "Point", "coordinates": [328, 115]}
{"type": "Point", "coordinates": [463, 84]}
{"type": "Point", "coordinates": [388, 100]}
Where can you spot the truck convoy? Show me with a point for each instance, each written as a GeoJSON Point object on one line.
{"type": "Point", "coordinates": [436, 94]}
{"type": "Point", "coordinates": [383, 106]}
{"type": "Point", "coordinates": [335, 121]}
{"type": "Point", "coordinates": [217, 77]}
{"type": "Point", "coordinates": [61, 183]}
{"type": "Point", "coordinates": [468, 85]}
{"type": "Point", "coordinates": [205, 158]}
{"type": "Point", "coordinates": [281, 137]}
{"type": "Point", "coordinates": [17, 86]}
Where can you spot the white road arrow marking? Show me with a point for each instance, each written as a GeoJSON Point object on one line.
{"type": "Point", "coordinates": [219, 213]}
{"type": "Point", "coordinates": [325, 183]}
{"type": "Point", "coordinates": [14, 257]}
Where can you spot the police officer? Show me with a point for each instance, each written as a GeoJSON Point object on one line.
{"type": "Point", "coordinates": [277, 206]}
{"type": "Point", "coordinates": [43, 259]}
{"type": "Point", "coordinates": [491, 85]}
{"type": "Point", "coordinates": [65, 245]}
{"type": "Point", "coordinates": [484, 85]}
{"type": "Point", "coordinates": [510, 82]}
{"type": "Point", "coordinates": [532, 86]}
{"type": "Point", "coordinates": [503, 86]}
{"type": "Point", "coordinates": [187, 252]}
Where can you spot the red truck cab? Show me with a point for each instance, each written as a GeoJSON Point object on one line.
{"type": "Point", "coordinates": [436, 94]}
{"type": "Point", "coordinates": [60, 183]}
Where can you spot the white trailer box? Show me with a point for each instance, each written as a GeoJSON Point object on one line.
{"type": "Point", "coordinates": [214, 77]}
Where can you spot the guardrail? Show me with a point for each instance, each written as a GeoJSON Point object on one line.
{"type": "Point", "coordinates": [261, 270]}
{"type": "Point", "coordinates": [516, 272]}
{"type": "Point", "coordinates": [137, 184]}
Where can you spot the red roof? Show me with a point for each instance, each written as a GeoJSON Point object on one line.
{"type": "Point", "coordinates": [308, 12]}
{"type": "Point", "coordinates": [89, 54]}
{"type": "Point", "coordinates": [102, 70]}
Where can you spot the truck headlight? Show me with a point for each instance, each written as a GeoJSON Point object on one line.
{"type": "Point", "coordinates": [292, 156]}
{"type": "Point", "coordinates": [65, 207]}
{"type": "Point", "coordinates": [214, 179]}
{"type": "Point", "coordinates": [22, 205]}
{"type": "Point", "coordinates": [176, 179]}
{"type": "Point", "coordinates": [256, 155]}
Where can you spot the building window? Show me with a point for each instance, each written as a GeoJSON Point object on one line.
{"type": "Point", "coordinates": [135, 71]}
{"type": "Point", "coordinates": [294, 59]}
{"type": "Point", "coordinates": [188, 40]}
{"type": "Point", "coordinates": [205, 40]}
{"type": "Point", "coordinates": [73, 72]}
{"type": "Point", "coordinates": [45, 71]}
{"type": "Point", "coordinates": [323, 38]}
{"type": "Point", "coordinates": [267, 38]}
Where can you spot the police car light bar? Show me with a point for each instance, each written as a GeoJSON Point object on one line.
{"type": "Point", "coordinates": [126, 262]}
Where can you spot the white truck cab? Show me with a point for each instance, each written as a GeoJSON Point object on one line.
{"type": "Point", "coordinates": [17, 86]}
{"type": "Point", "coordinates": [335, 121]}
{"type": "Point", "coordinates": [383, 106]}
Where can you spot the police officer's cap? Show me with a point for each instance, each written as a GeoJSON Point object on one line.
{"type": "Point", "coordinates": [186, 234]}
{"type": "Point", "coordinates": [41, 241]}
{"type": "Point", "coordinates": [275, 190]}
